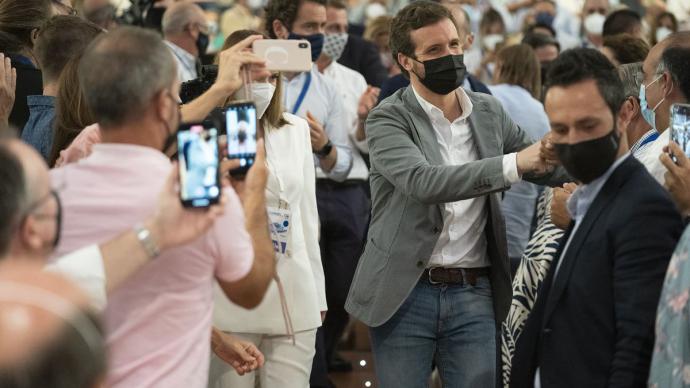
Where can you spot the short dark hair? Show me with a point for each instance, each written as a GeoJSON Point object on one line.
{"type": "Point", "coordinates": [537, 40]}
{"type": "Point", "coordinates": [675, 60]}
{"type": "Point", "coordinates": [122, 71]}
{"type": "Point", "coordinates": [530, 29]}
{"type": "Point", "coordinates": [68, 360]}
{"type": "Point", "coordinates": [284, 11]}
{"type": "Point", "coordinates": [413, 17]}
{"type": "Point", "coordinates": [627, 48]}
{"type": "Point", "coordinates": [337, 4]}
{"type": "Point", "coordinates": [621, 22]}
{"type": "Point", "coordinates": [582, 64]}
{"type": "Point", "coordinates": [13, 195]}
{"type": "Point", "coordinates": [60, 39]}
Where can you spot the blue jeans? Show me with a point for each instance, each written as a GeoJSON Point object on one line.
{"type": "Point", "coordinates": [451, 325]}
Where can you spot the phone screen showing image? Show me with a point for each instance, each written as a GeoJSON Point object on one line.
{"type": "Point", "coordinates": [241, 127]}
{"type": "Point", "coordinates": [680, 126]}
{"type": "Point", "coordinates": [198, 162]}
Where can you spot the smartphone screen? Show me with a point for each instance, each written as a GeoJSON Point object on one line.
{"type": "Point", "coordinates": [197, 147]}
{"type": "Point", "coordinates": [241, 127]}
{"type": "Point", "coordinates": [680, 126]}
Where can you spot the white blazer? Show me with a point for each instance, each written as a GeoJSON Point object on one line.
{"type": "Point", "coordinates": [291, 177]}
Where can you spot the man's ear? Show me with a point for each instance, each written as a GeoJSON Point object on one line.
{"type": "Point", "coordinates": [280, 30]}
{"type": "Point", "coordinates": [162, 108]}
{"type": "Point", "coordinates": [405, 62]}
{"type": "Point", "coordinates": [625, 116]}
{"type": "Point", "coordinates": [469, 41]}
{"type": "Point", "coordinates": [668, 83]}
{"type": "Point", "coordinates": [29, 235]}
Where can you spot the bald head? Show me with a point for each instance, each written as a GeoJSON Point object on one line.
{"type": "Point", "coordinates": [180, 15]}
{"type": "Point", "coordinates": [49, 337]}
{"type": "Point", "coordinates": [462, 19]}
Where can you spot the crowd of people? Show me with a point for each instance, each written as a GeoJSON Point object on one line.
{"type": "Point", "coordinates": [493, 187]}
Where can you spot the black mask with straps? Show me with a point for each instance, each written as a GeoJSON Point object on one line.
{"type": "Point", "coordinates": [443, 75]}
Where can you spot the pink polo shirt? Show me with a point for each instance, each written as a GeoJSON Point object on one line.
{"type": "Point", "coordinates": [158, 323]}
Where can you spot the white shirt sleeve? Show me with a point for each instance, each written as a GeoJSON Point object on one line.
{"type": "Point", "coordinates": [510, 171]}
{"type": "Point", "coordinates": [85, 268]}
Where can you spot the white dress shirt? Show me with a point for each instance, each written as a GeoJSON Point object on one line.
{"type": "Point", "coordinates": [186, 62]}
{"type": "Point", "coordinates": [323, 102]}
{"type": "Point", "coordinates": [462, 243]}
{"type": "Point", "coordinates": [649, 156]}
{"type": "Point", "coordinates": [291, 179]}
{"type": "Point", "coordinates": [351, 86]}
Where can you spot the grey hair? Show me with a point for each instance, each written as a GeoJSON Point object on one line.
{"type": "Point", "coordinates": [631, 75]}
{"type": "Point", "coordinates": [178, 16]}
{"type": "Point", "coordinates": [122, 71]}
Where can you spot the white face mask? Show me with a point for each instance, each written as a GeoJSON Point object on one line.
{"type": "Point", "coordinates": [662, 33]}
{"type": "Point", "coordinates": [491, 41]}
{"type": "Point", "coordinates": [594, 23]}
{"type": "Point", "coordinates": [261, 94]}
{"type": "Point", "coordinates": [255, 4]}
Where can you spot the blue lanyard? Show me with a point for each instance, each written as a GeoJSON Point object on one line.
{"type": "Point", "coordinates": [300, 98]}
{"type": "Point", "coordinates": [650, 139]}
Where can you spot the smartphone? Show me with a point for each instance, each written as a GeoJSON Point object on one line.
{"type": "Point", "coordinates": [240, 123]}
{"type": "Point", "coordinates": [284, 54]}
{"type": "Point", "coordinates": [197, 147]}
{"type": "Point", "coordinates": [680, 127]}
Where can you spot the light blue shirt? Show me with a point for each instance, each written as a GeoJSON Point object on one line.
{"type": "Point", "coordinates": [520, 201]}
{"type": "Point", "coordinates": [323, 102]}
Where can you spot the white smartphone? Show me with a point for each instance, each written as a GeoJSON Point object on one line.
{"type": "Point", "coordinates": [284, 54]}
{"type": "Point", "coordinates": [680, 127]}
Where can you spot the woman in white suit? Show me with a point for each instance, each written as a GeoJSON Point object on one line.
{"type": "Point", "coordinates": [283, 328]}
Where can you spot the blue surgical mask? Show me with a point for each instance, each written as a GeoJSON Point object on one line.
{"type": "Point", "coordinates": [648, 114]}
{"type": "Point", "coordinates": [545, 18]}
{"type": "Point", "coordinates": [315, 40]}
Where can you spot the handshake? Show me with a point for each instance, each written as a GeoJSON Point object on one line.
{"type": "Point", "coordinates": [538, 159]}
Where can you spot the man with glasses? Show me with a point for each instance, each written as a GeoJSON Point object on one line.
{"type": "Point", "coordinates": [186, 34]}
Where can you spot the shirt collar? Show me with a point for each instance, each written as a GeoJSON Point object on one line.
{"type": "Point", "coordinates": [434, 112]}
{"type": "Point", "coordinates": [584, 195]}
{"type": "Point", "coordinates": [644, 140]}
{"type": "Point", "coordinates": [40, 101]}
{"type": "Point", "coordinates": [188, 59]}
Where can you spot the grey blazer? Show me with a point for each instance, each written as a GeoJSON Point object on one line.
{"type": "Point", "coordinates": [410, 183]}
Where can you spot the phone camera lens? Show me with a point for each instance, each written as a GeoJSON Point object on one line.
{"type": "Point", "coordinates": [302, 45]}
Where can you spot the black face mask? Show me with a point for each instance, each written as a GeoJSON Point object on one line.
{"type": "Point", "coordinates": [202, 43]}
{"type": "Point", "coordinates": [443, 75]}
{"type": "Point", "coordinates": [588, 160]}
{"type": "Point", "coordinates": [171, 136]}
{"type": "Point", "coordinates": [58, 219]}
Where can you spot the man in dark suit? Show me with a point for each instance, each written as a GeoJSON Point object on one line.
{"type": "Point", "coordinates": [593, 322]}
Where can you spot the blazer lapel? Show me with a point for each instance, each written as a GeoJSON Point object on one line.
{"type": "Point", "coordinates": [423, 132]}
{"type": "Point", "coordinates": [606, 195]}
{"type": "Point", "coordinates": [482, 127]}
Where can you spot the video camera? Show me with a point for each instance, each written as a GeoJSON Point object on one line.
{"type": "Point", "coordinates": [196, 87]}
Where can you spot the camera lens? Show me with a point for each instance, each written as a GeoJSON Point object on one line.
{"type": "Point", "coordinates": [302, 45]}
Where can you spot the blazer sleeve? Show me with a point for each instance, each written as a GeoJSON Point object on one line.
{"type": "Point", "coordinates": [310, 217]}
{"type": "Point", "coordinates": [395, 155]}
{"type": "Point", "coordinates": [639, 268]}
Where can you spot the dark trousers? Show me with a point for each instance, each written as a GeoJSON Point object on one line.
{"type": "Point", "coordinates": [344, 215]}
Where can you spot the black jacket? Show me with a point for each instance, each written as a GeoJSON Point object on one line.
{"type": "Point", "coordinates": [594, 326]}
{"type": "Point", "coordinates": [363, 57]}
{"type": "Point", "coordinates": [29, 83]}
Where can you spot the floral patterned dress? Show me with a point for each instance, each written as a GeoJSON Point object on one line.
{"type": "Point", "coordinates": [671, 358]}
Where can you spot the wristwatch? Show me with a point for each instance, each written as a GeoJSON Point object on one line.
{"type": "Point", "coordinates": [146, 241]}
{"type": "Point", "coordinates": [323, 152]}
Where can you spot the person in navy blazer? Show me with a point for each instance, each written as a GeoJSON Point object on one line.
{"type": "Point", "coordinates": [593, 321]}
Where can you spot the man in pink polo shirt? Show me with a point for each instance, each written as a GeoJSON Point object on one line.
{"type": "Point", "coordinates": [158, 323]}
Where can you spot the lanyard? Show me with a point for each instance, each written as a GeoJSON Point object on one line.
{"type": "Point", "coordinates": [650, 139]}
{"type": "Point", "coordinates": [300, 98]}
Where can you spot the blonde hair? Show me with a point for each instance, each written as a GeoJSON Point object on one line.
{"type": "Point", "coordinates": [518, 65]}
{"type": "Point", "coordinates": [378, 26]}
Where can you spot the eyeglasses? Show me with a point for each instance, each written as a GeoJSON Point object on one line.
{"type": "Point", "coordinates": [64, 9]}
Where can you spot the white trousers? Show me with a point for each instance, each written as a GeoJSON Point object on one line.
{"type": "Point", "coordinates": [286, 366]}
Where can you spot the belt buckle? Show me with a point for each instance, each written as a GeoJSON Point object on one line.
{"type": "Point", "coordinates": [431, 281]}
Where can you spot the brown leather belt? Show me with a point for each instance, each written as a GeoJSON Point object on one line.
{"type": "Point", "coordinates": [460, 276]}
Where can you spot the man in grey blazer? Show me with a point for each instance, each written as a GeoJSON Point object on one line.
{"type": "Point", "coordinates": [434, 279]}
